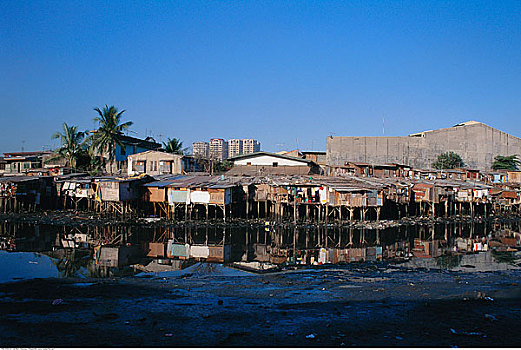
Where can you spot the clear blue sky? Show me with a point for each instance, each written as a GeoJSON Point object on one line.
{"type": "Point", "coordinates": [275, 71]}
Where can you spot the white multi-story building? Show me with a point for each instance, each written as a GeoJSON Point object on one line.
{"type": "Point", "coordinates": [201, 149]}
{"type": "Point", "coordinates": [218, 149]}
{"type": "Point", "coordinates": [234, 147]}
{"type": "Point", "coordinates": [250, 146]}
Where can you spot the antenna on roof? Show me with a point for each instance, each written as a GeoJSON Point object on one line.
{"type": "Point", "coordinates": [297, 143]}
{"type": "Point", "coordinates": [23, 141]}
{"type": "Point", "coordinates": [383, 125]}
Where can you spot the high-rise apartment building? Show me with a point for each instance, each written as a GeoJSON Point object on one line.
{"type": "Point", "coordinates": [242, 146]}
{"type": "Point", "coordinates": [250, 146]}
{"type": "Point", "coordinates": [201, 149]}
{"type": "Point", "coordinates": [218, 149]}
{"type": "Point", "coordinates": [234, 147]}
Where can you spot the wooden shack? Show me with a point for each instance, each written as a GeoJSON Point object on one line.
{"type": "Point", "coordinates": [119, 189]}
{"type": "Point", "coordinates": [24, 192]}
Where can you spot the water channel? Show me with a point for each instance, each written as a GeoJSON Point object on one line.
{"type": "Point", "coordinates": [40, 251]}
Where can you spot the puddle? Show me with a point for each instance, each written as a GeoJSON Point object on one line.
{"type": "Point", "coordinates": [18, 266]}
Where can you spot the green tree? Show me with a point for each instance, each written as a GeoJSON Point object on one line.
{"type": "Point", "coordinates": [174, 146]}
{"type": "Point", "coordinates": [221, 167]}
{"type": "Point", "coordinates": [506, 162]}
{"type": "Point", "coordinates": [448, 160]}
{"type": "Point", "coordinates": [109, 132]}
{"type": "Point", "coordinates": [72, 146]}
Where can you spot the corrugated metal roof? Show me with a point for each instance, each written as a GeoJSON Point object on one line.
{"type": "Point", "coordinates": [158, 184]}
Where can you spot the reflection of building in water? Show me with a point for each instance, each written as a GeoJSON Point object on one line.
{"type": "Point", "coordinates": [426, 248]}
{"type": "Point", "coordinates": [117, 256]}
{"type": "Point", "coordinates": [119, 246]}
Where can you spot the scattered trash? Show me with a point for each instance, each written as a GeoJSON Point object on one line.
{"type": "Point", "coordinates": [149, 220]}
{"type": "Point", "coordinates": [127, 322]}
{"type": "Point", "coordinates": [488, 298]}
{"type": "Point", "coordinates": [33, 262]}
{"type": "Point", "coordinates": [169, 335]}
{"type": "Point", "coordinates": [57, 301]}
{"type": "Point", "coordinates": [220, 302]}
{"type": "Point", "coordinates": [323, 288]}
{"type": "Point", "coordinates": [490, 317]}
{"type": "Point", "coordinates": [311, 336]}
{"type": "Point", "coordinates": [472, 334]}
{"type": "Point", "coordinates": [398, 338]}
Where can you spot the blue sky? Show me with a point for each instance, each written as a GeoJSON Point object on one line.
{"type": "Point", "coordinates": [281, 72]}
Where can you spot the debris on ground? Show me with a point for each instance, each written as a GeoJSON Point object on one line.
{"type": "Point", "coordinates": [472, 334]}
{"type": "Point", "coordinates": [490, 317]}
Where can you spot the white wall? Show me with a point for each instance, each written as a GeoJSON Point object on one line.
{"type": "Point", "coordinates": [268, 161]}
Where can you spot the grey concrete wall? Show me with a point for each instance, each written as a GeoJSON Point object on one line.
{"type": "Point", "coordinates": [477, 144]}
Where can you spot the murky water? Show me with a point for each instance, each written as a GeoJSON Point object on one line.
{"type": "Point", "coordinates": [30, 251]}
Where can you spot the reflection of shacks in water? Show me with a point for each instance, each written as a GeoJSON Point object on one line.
{"type": "Point", "coordinates": [280, 245]}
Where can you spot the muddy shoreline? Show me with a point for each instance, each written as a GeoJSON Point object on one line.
{"type": "Point", "coordinates": [210, 305]}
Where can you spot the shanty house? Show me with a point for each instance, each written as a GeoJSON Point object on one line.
{"type": "Point", "coordinates": [157, 191]}
{"type": "Point", "coordinates": [514, 176]}
{"type": "Point", "coordinates": [271, 163]}
{"type": "Point", "coordinates": [315, 156]}
{"type": "Point", "coordinates": [118, 189]}
{"type": "Point", "coordinates": [21, 162]}
{"type": "Point", "coordinates": [129, 145]}
{"type": "Point", "coordinates": [154, 163]}
{"type": "Point", "coordinates": [377, 170]}
{"type": "Point", "coordinates": [2, 165]}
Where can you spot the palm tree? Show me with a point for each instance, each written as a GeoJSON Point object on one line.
{"type": "Point", "coordinates": [109, 131]}
{"type": "Point", "coordinates": [174, 146]}
{"type": "Point", "coordinates": [72, 144]}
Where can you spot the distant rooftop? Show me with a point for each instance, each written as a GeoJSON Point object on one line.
{"type": "Point", "coordinates": [470, 122]}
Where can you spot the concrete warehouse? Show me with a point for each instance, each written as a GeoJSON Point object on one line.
{"type": "Point", "coordinates": [475, 142]}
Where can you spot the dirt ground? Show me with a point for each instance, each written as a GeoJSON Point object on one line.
{"type": "Point", "coordinates": [362, 305]}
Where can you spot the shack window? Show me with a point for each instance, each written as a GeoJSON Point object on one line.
{"type": "Point", "coordinates": [275, 164]}
{"type": "Point", "coordinates": [123, 150]}
{"type": "Point", "coordinates": [134, 149]}
{"type": "Point", "coordinates": [165, 167]}
{"type": "Point", "coordinates": [140, 166]}
{"type": "Point", "coordinates": [249, 163]}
